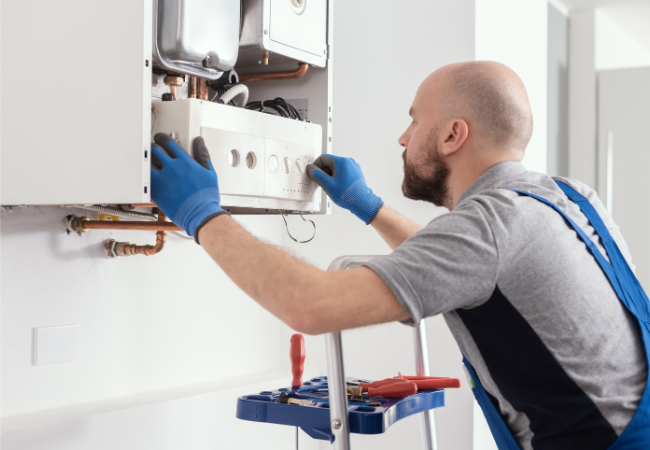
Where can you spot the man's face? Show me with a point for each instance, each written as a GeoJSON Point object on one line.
{"type": "Point", "coordinates": [426, 174]}
{"type": "Point", "coordinates": [431, 187]}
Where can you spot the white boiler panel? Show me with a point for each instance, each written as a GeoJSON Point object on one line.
{"type": "Point", "coordinates": [260, 159]}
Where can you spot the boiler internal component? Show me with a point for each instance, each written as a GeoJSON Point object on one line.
{"type": "Point", "coordinates": [196, 37]}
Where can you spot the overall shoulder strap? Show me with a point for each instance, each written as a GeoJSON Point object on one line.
{"type": "Point", "coordinates": [590, 212]}
{"type": "Point", "coordinates": [593, 249]}
{"type": "Point", "coordinates": [630, 291]}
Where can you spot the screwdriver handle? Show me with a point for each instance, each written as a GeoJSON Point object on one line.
{"type": "Point", "coordinates": [444, 383]}
{"type": "Point", "coordinates": [393, 390]}
{"type": "Point", "coordinates": [386, 382]}
{"type": "Point", "coordinates": [297, 354]}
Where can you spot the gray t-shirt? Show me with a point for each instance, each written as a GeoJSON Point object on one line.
{"type": "Point", "coordinates": [529, 307]}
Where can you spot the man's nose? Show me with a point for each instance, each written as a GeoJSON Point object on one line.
{"type": "Point", "coordinates": [404, 139]}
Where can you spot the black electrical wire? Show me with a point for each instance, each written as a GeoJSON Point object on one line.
{"type": "Point", "coordinates": [283, 103]}
{"type": "Point", "coordinates": [261, 106]}
{"type": "Point", "coordinates": [279, 105]}
{"type": "Point", "coordinates": [267, 104]}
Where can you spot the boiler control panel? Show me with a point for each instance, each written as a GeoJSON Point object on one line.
{"type": "Point", "coordinates": [260, 159]}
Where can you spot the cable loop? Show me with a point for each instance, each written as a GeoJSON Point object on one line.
{"type": "Point", "coordinates": [303, 218]}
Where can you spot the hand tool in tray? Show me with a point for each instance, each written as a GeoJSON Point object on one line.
{"type": "Point", "coordinates": [373, 406]}
{"type": "Point", "coordinates": [315, 419]}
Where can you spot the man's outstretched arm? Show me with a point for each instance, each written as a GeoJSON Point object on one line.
{"type": "Point", "coordinates": [307, 299]}
{"type": "Point", "coordinates": [343, 181]}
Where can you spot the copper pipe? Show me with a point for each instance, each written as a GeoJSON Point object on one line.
{"type": "Point", "coordinates": [161, 238]}
{"type": "Point", "coordinates": [172, 89]}
{"type": "Point", "coordinates": [143, 205]}
{"type": "Point", "coordinates": [285, 75]}
{"type": "Point", "coordinates": [192, 87]}
{"type": "Point", "coordinates": [202, 89]}
{"type": "Point", "coordinates": [128, 225]}
{"type": "Point", "coordinates": [117, 248]}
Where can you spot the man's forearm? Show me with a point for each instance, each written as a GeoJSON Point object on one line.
{"type": "Point", "coordinates": [265, 273]}
{"type": "Point", "coordinates": [393, 227]}
{"type": "Point", "coordinates": [309, 300]}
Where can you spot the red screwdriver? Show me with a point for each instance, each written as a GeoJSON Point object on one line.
{"type": "Point", "coordinates": [297, 355]}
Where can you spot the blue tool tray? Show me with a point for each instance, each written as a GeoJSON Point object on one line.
{"type": "Point", "coordinates": [315, 420]}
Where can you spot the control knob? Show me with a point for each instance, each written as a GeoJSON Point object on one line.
{"type": "Point", "coordinates": [299, 167]}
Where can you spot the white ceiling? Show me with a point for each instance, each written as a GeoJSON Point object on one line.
{"type": "Point", "coordinates": [631, 15]}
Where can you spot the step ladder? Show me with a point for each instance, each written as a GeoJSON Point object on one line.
{"type": "Point", "coordinates": [336, 374]}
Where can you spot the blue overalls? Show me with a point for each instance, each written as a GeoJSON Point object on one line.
{"type": "Point", "coordinates": [637, 434]}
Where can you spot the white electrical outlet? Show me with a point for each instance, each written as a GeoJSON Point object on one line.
{"type": "Point", "coordinates": [55, 344]}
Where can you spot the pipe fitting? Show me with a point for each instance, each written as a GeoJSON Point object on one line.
{"type": "Point", "coordinates": [116, 249]}
{"type": "Point", "coordinates": [174, 79]}
{"type": "Point", "coordinates": [76, 224]}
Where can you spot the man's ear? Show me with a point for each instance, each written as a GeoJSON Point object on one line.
{"type": "Point", "coordinates": [454, 134]}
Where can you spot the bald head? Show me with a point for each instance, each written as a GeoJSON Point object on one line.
{"type": "Point", "coordinates": [489, 96]}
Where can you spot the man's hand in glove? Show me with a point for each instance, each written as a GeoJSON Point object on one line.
{"type": "Point", "coordinates": [343, 181]}
{"type": "Point", "coordinates": [185, 189]}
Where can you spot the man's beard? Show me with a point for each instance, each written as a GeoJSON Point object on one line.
{"type": "Point", "coordinates": [434, 188]}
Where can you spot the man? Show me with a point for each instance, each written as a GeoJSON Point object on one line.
{"type": "Point", "coordinates": [556, 352]}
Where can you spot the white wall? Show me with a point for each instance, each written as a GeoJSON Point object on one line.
{"type": "Point", "coordinates": [623, 136]}
{"type": "Point", "coordinates": [615, 47]}
{"type": "Point", "coordinates": [558, 92]}
{"type": "Point", "coordinates": [173, 325]}
{"type": "Point", "coordinates": [596, 43]}
{"type": "Point", "coordinates": [194, 422]}
{"type": "Point", "coordinates": [582, 96]}
{"type": "Point", "coordinates": [515, 33]}
{"type": "Point", "coordinates": [151, 328]}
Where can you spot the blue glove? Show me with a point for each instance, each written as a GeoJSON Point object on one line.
{"type": "Point", "coordinates": [185, 189]}
{"type": "Point", "coordinates": [343, 181]}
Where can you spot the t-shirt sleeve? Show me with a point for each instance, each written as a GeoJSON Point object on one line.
{"type": "Point", "coordinates": [451, 263]}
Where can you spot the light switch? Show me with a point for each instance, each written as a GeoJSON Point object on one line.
{"type": "Point", "coordinates": [55, 344]}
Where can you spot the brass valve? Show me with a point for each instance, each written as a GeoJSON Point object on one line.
{"type": "Point", "coordinates": [75, 223]}
{"type": "Point", "coordinates": [115, 248]}
{"type": "Point", "coordinates": [174, 79]}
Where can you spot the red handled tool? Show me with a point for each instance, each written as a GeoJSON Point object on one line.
{"type": "Point", "coordinates": [440, 383]}
{"type": "Point", "coordinates": [429, 383]}
{"type": "Point", "coordinates": [393, 390]}
{"type": "Point", "coordinates": [386, 382]}
{"type": "Point", "coordinates": [425, 384]}
{"type": "Point", "coordinates": [297, 354]}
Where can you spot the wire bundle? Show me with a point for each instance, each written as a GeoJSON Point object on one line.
{"type": "Point", "coordinates": [278, 105]}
